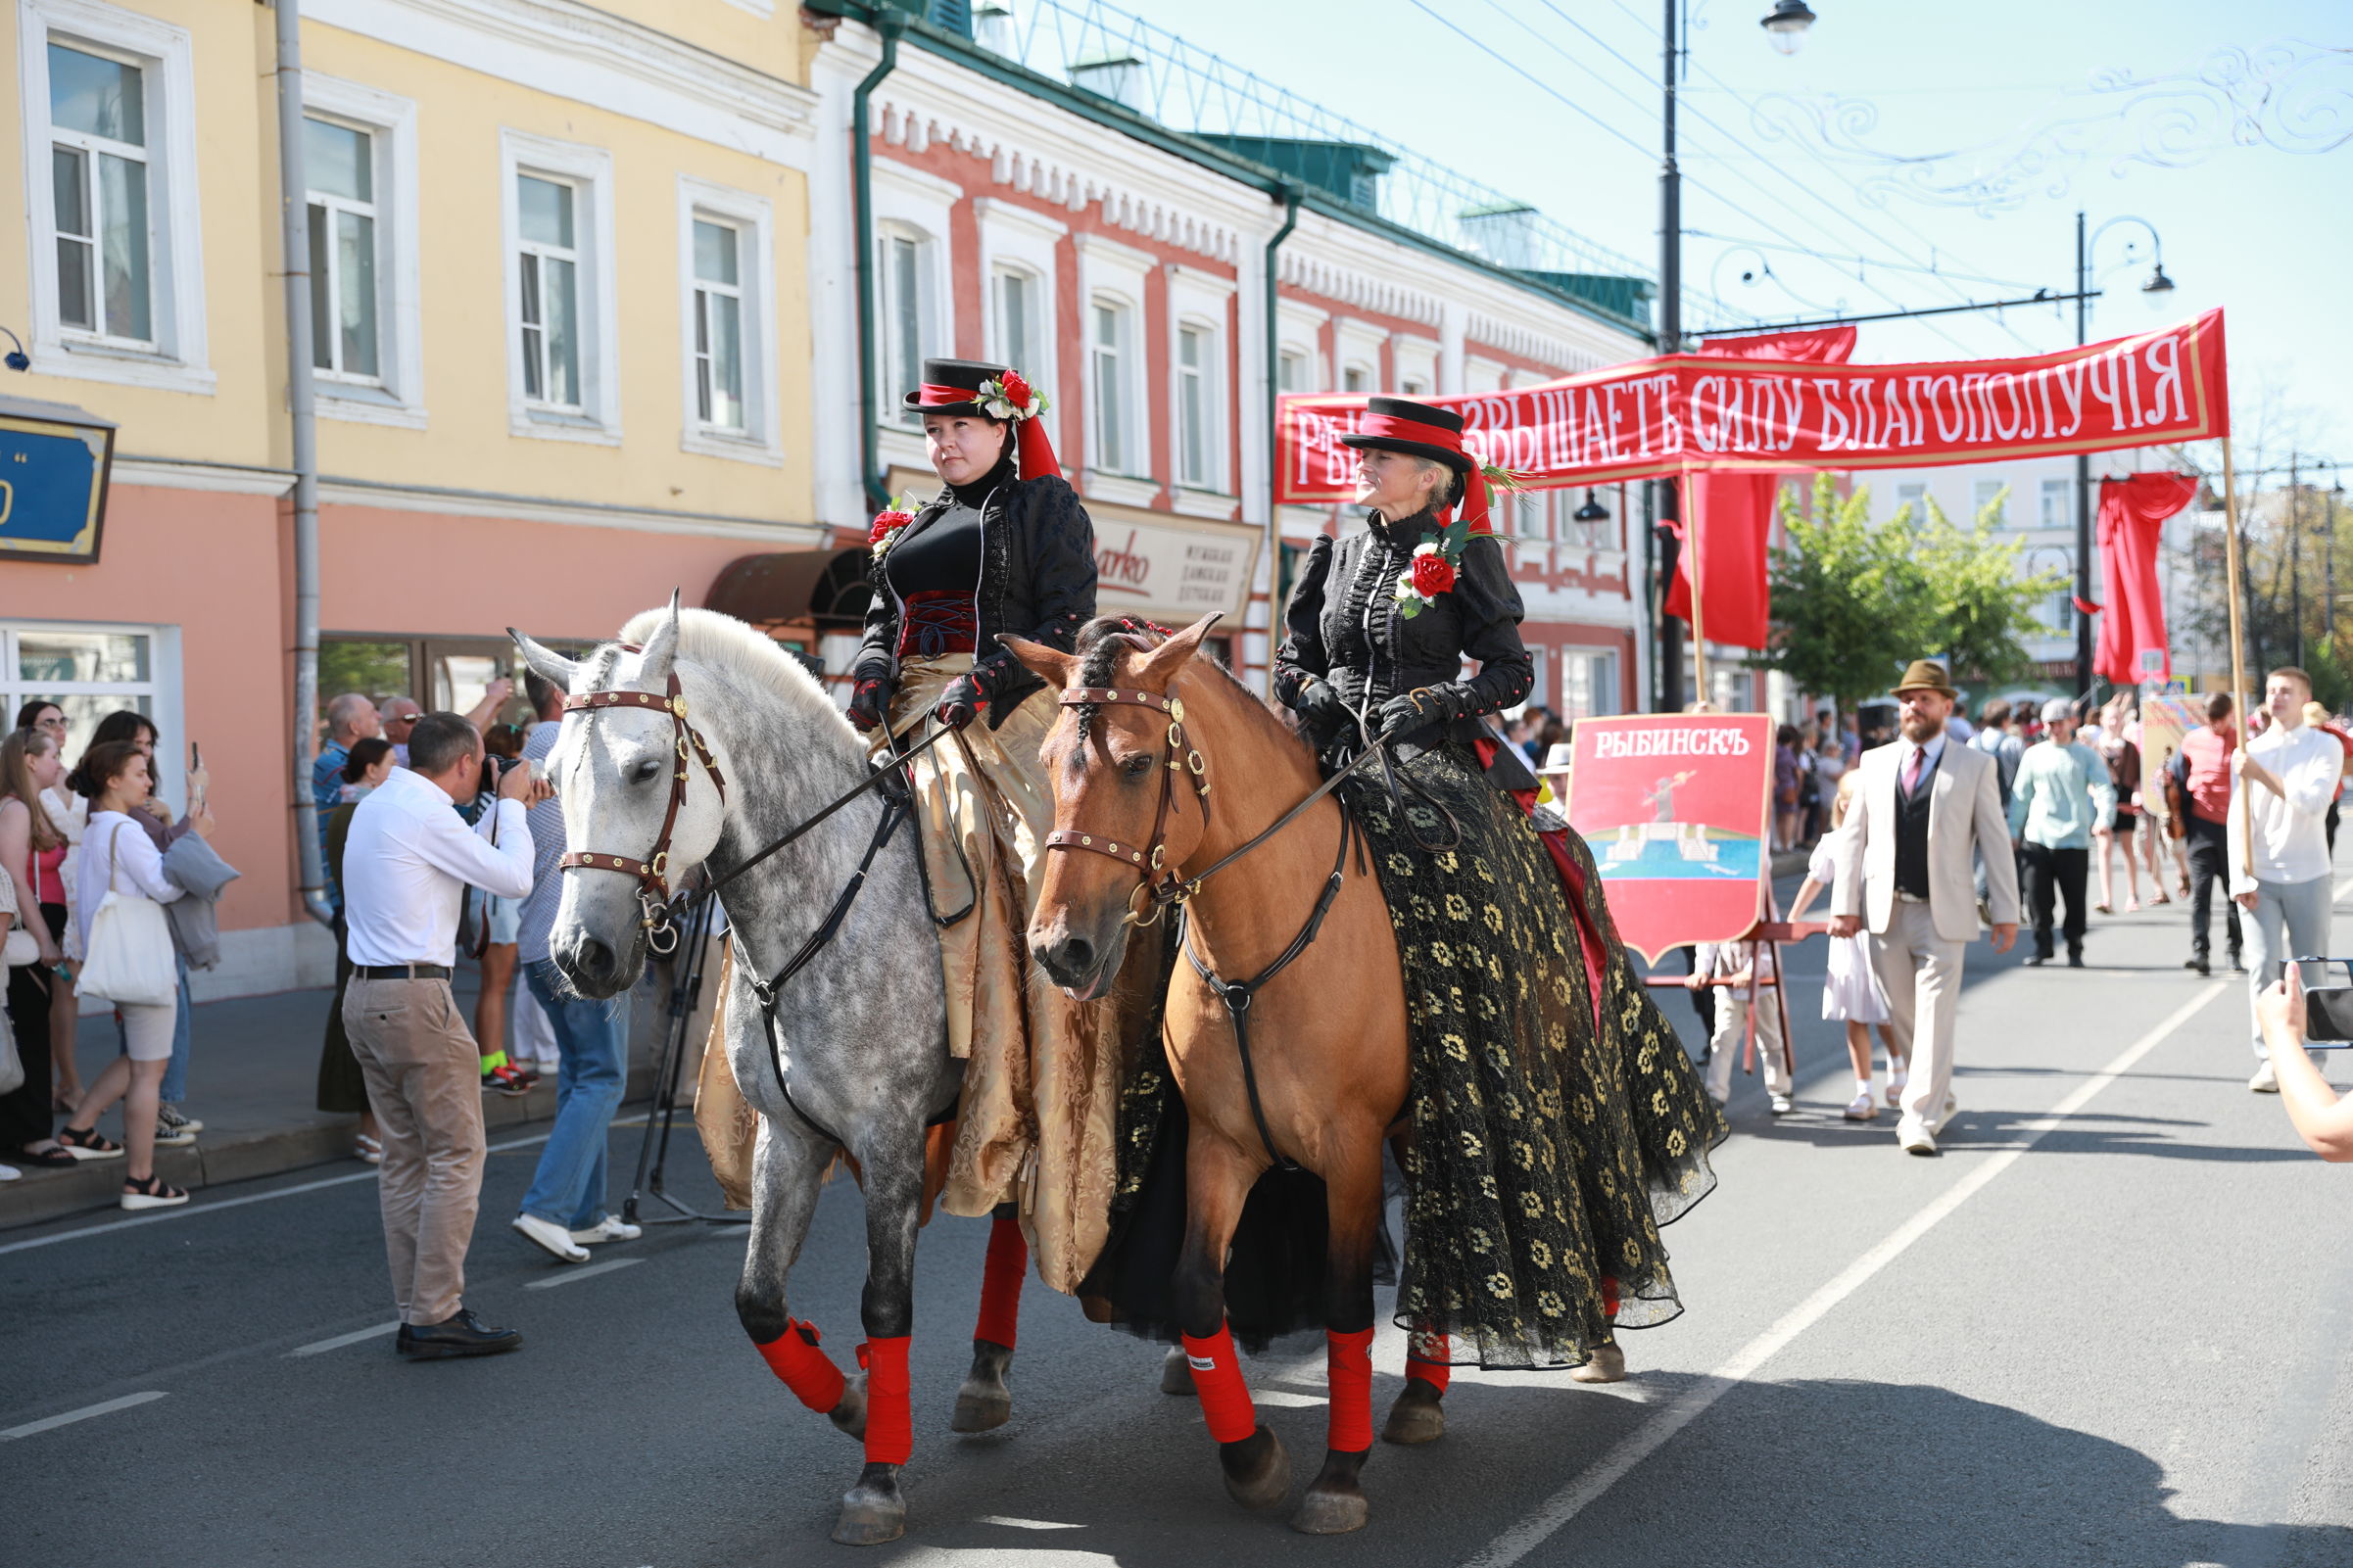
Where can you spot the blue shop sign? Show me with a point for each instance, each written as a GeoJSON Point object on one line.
{"type": "Point", "coordinates": [55, 460]}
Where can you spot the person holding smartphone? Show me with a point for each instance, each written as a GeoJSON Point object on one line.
{"type": "Point", "coordinates": [2323, 1119]}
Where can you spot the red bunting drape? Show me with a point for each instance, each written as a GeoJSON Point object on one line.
{"type": "Point", "coordinates": [2133, 511]}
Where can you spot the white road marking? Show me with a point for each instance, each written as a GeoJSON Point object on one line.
{"type": "Point", "coordinates": [1024, 1524]}
{"type": "Point", "coordinates": [2342, 888]}
{"type": "Point", "coordinates": [1284, 1399]}
{"type": "Point", "coordinates": [212, 1207]}
{"type": "Point", "coordinates": [104, 1407]}
{"type": "Point", "coordinates": [1579, 1494]}
{"type": "Point", "coordinates": [569, 1275]}
{"type": "Point", "coordinates": [340, 1339]}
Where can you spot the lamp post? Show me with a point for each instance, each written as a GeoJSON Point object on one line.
{"type": "Point", "coordinates": [1786, 27]}
{"type": "Point", "coordinates": [2157, 284]}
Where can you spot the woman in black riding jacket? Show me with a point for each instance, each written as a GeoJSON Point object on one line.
{"type": "Point", "coordinates": [1004, 546]}
{"type": "Point", "coordinates": [1556, 1121]}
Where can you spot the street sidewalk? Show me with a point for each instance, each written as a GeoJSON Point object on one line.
{"type": "Point", "coordinates": [253, 1081]}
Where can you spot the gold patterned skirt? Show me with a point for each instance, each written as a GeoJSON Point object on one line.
{"type": "Point", "coordinates": [1038, 1117]}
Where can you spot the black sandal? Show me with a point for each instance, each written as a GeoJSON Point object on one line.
{"type": "Point", "coordinates": [56, 1159]}
{"type": "Point", "coordinates": [154, 1192]}
{"type": "Point", "coordinates": [89, 1144]}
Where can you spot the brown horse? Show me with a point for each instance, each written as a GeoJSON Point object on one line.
{"type": "Point", "coordinates": [1329, 1032]}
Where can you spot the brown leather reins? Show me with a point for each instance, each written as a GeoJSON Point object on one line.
{"type": "Point", "coordinates": [654, 871]}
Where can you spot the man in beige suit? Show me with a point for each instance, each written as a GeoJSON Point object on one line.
{"type": "Point", "coordinates": [1924, 806]}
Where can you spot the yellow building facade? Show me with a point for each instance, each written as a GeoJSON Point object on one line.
{"type": "Point", "coordinates": [562, 323]}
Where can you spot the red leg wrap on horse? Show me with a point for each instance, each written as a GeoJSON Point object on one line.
{"type": "Point", "coordinates": [889, 1420]}
{"type": "Point", "coordinates": [1348, 1373]}
{"type": "Point", "coordinates": [805, 1369]}
{"type": "Point", "coordinates": [1217, 1378]}
{"type": "Point", "coordinates": [1001, 1282]}
{"type": "Point", "coordinates": [1426, 1359]}
{"type": "Point", "coordinates": [1609, 1297]}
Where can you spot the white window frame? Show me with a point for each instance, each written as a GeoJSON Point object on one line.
{"type": "Point", "coordinates": [1602, 662]}
{"type": "Point", "coordinates": [2064, 491]}
{"type": "Point", "coordinates": [1980, 496]}
{"type": "Point", "coordinates": [1201, 301]}
{"type": "Point", "coordinates": [589, 170]}
{"type": "Point", "coordinates": [161, 688]}
{"type": "Point", "coordinates": [397, 395]}
{"type": "Point", "coordinates": [1416, 360]}
{"type": "Point", "coordinates": [176, 359]}
{"type": "Point", "coordinates": [1135, 456]}
{"type": "Point", "coordinates": [1022, 239]}
{"type": "Point", "coordinates": [1117, 274]}
{"type": "Point", "coordinates": [917, 203]}
{"type": "Point", "coordinates": [753, 219]}
{"type": "Point", "coordinates": [1299, 330]}
{"type": "Point", "coordinates": [1356, 346]}
{"type": "Point", "coordinates": [1203, 402]}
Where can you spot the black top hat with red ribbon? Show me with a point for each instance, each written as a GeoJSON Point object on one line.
{"type": "Point", "coordinates": [1418, 430]}
{"type": "Point", "coordinates": [977, 388]}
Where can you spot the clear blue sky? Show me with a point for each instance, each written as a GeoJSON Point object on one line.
{"type": "Point", "coordinates": [2266, 234]}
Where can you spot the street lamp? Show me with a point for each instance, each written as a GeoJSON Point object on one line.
{"type": "Point", "coordinates": [2154, 290]}
{"type": "Point", "coordinates": [1787, 24]}
{"type": "Point", "coordinates": [1786, 28]}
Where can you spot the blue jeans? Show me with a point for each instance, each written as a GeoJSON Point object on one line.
{"type": "Point", "coordinates": [568, 1188]}
{"type": "Point", "coordinates": [175, 1076]}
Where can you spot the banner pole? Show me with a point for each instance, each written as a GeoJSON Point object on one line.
{"type": "Point", "coordinates": [2238, 668]}
{"type": "Point", "coordinates": [1699, 625]}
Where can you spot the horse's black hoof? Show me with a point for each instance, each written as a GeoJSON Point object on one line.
{"type": "Point", "coordinates": [872, 1511]}
{"type": "Point", "coordinates": [850, 1414]}
{"type": "Point", "coordinates": [1258, 1472]}
{"type": "Point", "coordinates": [1176, 1372]}
{"type": "Point", "coordinates": [1335, 1503]}
{"type": "Point", "coordinates": [1418, 1416]}
{"type": "Point", "coordinates": [984, 1404]}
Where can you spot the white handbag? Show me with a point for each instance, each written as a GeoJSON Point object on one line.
{"type": "Point", "coordinates": [12, 1065]}
{"type": "Point", "coordinates": [128, 961]}
{"type": "Point", "coordinates": [21, 948]}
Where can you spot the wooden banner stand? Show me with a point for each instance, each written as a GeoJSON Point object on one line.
{"type": "Point", "coordinates": [2238, 668]}
{"type": "Point", "coordinates": [1763, 935]}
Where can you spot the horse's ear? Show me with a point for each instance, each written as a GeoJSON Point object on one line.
{"type": "Point", "coordinates": [662, 646]}
{"type": "Point", "coordinates": [1050, 665]}
{"type": "Point", "coordinates": [1161, 665]}
{"type": "Point", "coordinates": [549, 665]}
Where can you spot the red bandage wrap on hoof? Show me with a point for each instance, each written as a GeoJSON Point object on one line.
{"type": "Point", "coordinates": [1001, 1283]}
{"type": "Point", "coordinates": [889, 1421]}
{"type": "Point", "coordinates": [806, 1371]}
{"type": "Point", "coordinates": [1609, 1297]}
{"type": "Point", "coordinates": [1217, 1378]}
{"type": "Point", "coordinates": [1427, 1358]}
{"type": "Point", "coordinates": [1348, 1372]}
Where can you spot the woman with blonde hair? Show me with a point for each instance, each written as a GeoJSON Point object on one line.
{"type": "Point", "coordinates": [31, 852]}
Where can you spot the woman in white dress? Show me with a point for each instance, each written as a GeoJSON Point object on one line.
{"type": "Point", "coordinates": [1850, 989]}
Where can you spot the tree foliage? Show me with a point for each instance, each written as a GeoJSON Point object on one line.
{"type": "Point", "coordinates": [1853, 602]}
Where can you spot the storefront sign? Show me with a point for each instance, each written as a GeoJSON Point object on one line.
{"type": "Point", "coordinates": [1675, 808]}
{"type": "Point", "coordinates": [54, 464]}
{"type": "Point", "coordinates": [1173, 572]}
{"type": "Point", "coordinates": [1703, 412]}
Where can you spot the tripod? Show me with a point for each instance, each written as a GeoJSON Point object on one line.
{"type": "Point", "coordinates": [653, 1151]}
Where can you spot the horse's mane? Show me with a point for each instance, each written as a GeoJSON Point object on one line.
{"type": "Point", "coordinates": [1103, 641]}
{"type": "Point", "coordinates": [726, 643]}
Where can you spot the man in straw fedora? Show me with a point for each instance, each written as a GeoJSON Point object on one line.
{"type": "Point", "coordinates": [1924, 806]}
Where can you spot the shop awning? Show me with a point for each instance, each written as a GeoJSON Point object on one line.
{"type": "Point", "coordinates": [826, 587]}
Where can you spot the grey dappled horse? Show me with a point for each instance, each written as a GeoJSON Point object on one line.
{"type": "Point", "coordinates": [861, 1033]}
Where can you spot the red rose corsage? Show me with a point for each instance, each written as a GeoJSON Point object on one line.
{"type": "Point", "coordinates": [1436, 567]}
{"type": "Point", "coordinates": [1011, 397]}
{"type": "Point", "coordinates": [887, 525]}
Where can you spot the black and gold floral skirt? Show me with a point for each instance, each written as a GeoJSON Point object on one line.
{"type": "Point", "coordinates": [1552, 1139]}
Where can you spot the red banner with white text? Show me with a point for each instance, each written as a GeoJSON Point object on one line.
{"type": "Point", "coordinates": [1706, 412]}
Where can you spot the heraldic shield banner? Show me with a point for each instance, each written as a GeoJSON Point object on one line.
{"type": "Point", "coordinates": [1676, 808]}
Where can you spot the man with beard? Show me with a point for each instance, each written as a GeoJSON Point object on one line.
{"type": "Point", "coordinates": [1926, 806]}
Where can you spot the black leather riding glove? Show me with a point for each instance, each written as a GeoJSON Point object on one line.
{"type": "Point", "coordinates": [961, 703]}
{"type": "Point", "coordinates": [1409, 716]}
{"type": "Point", "coordinates": [869, 698]}
{"type": "Point", "coordinates": [1324, 719]}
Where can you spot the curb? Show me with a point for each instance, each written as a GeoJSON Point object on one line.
{"type": "Point", "coordinates": [215, 1161]}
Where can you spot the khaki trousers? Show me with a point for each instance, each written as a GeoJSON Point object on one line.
{"type": "Point", "coordinates": [424, 1081]}
{"type": "Point", "coordinates": [1921, 973]}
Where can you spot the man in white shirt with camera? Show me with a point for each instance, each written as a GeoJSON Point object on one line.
{"type": "Point", "coordinates": [406, 864]}
{"type": "Point", "coordinates": [2282, 784]}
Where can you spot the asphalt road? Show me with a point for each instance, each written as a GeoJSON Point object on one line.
{"type": "Point", "coordinates": [2108, 1327]}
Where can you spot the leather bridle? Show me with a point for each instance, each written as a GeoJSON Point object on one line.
{"type": "Point", "coordinates": [1161, 888]}
{"type": "Point", "coordinates": [652, 872]}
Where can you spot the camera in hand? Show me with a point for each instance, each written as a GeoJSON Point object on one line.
{"type": "Point", "coordinates": [2329, 1009]}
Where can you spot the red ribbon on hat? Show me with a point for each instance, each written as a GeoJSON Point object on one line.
{"type": "Point", "coordinates": [1033, 453]}
{"type": "Point", "coordinates": [1474, 483]}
